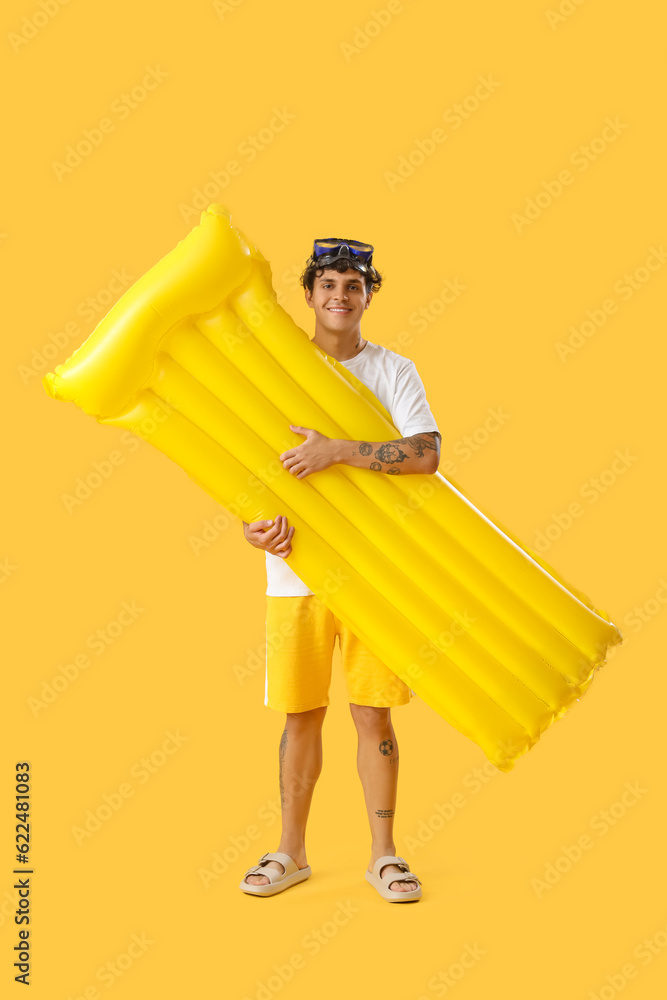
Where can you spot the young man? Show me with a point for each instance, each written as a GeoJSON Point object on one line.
{"type": "Point", "coordinates": [339, 281]}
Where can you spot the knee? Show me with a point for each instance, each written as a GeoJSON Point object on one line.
{"type": "Point", "coordinates": [369, 719]}
{"type": "Point", "coordinates": [312, 719]}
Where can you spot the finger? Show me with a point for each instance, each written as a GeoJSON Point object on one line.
{"type": "Point", "coordinates": [284, 529]}
{"type": "Point", "coordinates": [284, 526]}
{"type": "Point", "coordinates": [283, 543]}
{"type": "Point", "coordinates": [257, 525]}
{"type": "Point", "coordinates": [269, 534]}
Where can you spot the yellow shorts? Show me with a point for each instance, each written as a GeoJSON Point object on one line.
{"type": "Point", "coordinates": [300, 638]}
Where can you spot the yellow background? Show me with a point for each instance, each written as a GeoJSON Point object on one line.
{"type": "Point", "coordinates": [360, 87]}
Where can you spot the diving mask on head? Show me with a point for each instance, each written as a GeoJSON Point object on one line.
{"type": "Point", "coordinates": [327, 251]}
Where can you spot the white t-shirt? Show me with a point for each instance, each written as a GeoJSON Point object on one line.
{"type": "Point", "coordinates": [394, 380]}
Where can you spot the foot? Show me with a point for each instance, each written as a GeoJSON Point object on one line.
{"type": "Point", "coordinates": [299, 860]}
{"type": "Point", "coordinates": [394, 886]}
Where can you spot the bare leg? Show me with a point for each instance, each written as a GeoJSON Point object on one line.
{"type": "Point", "coordinates": [300, 766]}
{"type": "Point", "coordinates": [377, 763]}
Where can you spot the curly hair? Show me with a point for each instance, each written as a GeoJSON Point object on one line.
{"type": "Point", "coordinates": [372, 277]}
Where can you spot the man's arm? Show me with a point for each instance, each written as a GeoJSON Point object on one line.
{"type": "Point", "coordinates": [418, 454]}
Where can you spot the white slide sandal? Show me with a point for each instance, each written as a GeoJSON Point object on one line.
{"type": "Point", "coordinates": [382, 883]}
{"type": "Point", "coordinates": [277, 880]}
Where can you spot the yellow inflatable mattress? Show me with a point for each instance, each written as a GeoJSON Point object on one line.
{"type": "Point", "coordinates": [198, 358]}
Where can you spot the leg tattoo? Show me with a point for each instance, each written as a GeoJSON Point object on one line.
{"type": "Point", "coordinates": [283, 748]}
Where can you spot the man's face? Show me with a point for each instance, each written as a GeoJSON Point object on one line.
{"type": "Point", "coordinates": [339, 299]}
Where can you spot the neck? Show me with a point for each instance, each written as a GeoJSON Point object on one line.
{"type": "Point", "coordinates": [341, 346]}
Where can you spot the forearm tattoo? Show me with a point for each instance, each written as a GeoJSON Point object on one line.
{"type": "Point", "coordinates": [384, 813]}
{"type": "Point", "coordinates": [421, 443]}
{"type": "Point", "coordinates": [389, 454]}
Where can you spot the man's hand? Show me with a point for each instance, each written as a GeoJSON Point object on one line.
{"type": "Point", "coordinates": [418, 454]}
{"type": "Point", "coordinates": [317, 452]}
{"type": "Point", "coordinates": [271, 536]}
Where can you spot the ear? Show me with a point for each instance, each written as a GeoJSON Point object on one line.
{"type": "Point", "coordinates": [309, 298]}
